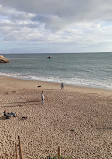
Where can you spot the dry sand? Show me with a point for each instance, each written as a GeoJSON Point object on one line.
{"type": "Point", "coordinates": [77, 119]}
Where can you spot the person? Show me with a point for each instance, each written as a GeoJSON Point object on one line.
{"type": "Point", "coordinates": [42, 96]}
{"type": "Point", "coordinates": [62, 85]}
{"type": "Point", "coordinates": [13, 114]}
{"type": "Point", "coordinates": [7, 115]}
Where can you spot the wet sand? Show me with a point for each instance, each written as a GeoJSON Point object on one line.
{"type": "Point", "coordinates": [77, 119]}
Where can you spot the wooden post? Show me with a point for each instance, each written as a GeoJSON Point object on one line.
{"type": "Point", "coordinates": [20, 150]}
{"type": "Point", "coordinates": [59, 151]}
{"type": "Point", "coordinates": [16, 151]}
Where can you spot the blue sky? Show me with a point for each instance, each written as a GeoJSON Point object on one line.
{"type": "Point", "coordinates": [54, 26]}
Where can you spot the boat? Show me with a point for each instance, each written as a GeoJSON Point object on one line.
{"type": "Point", "coordinates": [49, 57]}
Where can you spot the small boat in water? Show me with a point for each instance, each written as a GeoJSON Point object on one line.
{"type": "Point", "coordinates": [49, 57]}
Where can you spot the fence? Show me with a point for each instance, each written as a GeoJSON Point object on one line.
{"type": "Point", "coordinates": [19, 154]}
{"type": "Point", "coordinates": [18, 148]}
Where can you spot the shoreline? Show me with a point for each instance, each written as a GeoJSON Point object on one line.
{"type": "Point", "coordinates": [22, 83]}
{"type": "Point", "coordinates": [59, 81]}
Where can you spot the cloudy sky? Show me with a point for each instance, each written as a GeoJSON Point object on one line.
{"type": "Point", "coordinates": [54, 26]}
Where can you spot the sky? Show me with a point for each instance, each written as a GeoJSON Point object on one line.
{"type": "Point", "coordinates": [55, 26]}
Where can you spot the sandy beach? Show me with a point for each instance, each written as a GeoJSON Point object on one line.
{"type": "Point", "coordinates": [77, 119]}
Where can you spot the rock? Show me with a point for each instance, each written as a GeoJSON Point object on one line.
{"type": "Point", "coordinates": [3, 59]}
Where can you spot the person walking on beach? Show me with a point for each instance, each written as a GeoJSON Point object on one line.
{"type": "Point", "coordinates": [62, 85]}
{"type": "Point", "coordinates": [42, 96]}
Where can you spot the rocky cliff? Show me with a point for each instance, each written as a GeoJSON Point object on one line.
{"type": "Point", "coordinates": [3, 59]}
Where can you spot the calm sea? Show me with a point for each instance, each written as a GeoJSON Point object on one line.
{"type": "Point", "coordinates": [80, 69]}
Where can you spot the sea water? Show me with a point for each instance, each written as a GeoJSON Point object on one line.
{"type": "Point", "coordinates": [79, 69]}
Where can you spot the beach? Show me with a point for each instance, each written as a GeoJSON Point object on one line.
{"type": "Point", "coordinates": [78, 119]}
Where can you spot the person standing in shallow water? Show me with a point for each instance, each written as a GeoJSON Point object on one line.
{"type": "Point", "coordinates": [62, 85]}
{"type": "Point", "coordinates": [42, 96]}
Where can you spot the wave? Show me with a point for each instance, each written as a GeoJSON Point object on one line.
{"type": "Point", "coordinates": [68, 81]}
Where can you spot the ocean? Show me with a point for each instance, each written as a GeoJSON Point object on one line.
{"type": "Point", "coordinates": [92, 70]}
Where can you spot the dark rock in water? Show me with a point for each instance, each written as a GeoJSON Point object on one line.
{"type": "Point", "coordinates": [3, 59]}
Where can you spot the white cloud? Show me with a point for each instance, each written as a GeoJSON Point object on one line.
{"type": "Point", "coordinates": [76, 10]}
{"type": "Point", "coordinates": [67, 22]}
